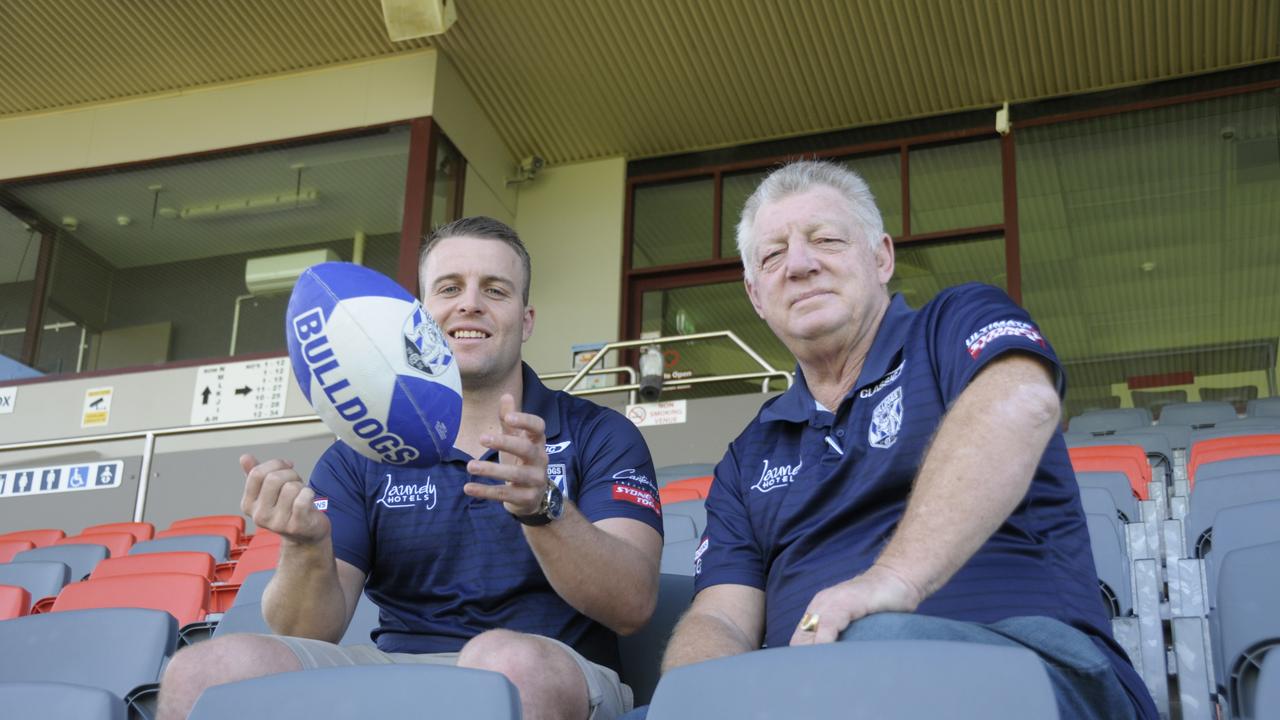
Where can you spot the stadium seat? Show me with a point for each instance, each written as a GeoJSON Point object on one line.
{"type": "Point", "coordinates": [184, 596]}
{"type": "Point", "coordinates": [224, 531]}
{"type": "Point", "coordinates": [80, 559]}
{"type": "Point", "coordinates": [671, 494]}
{"type": "Point", "coordinates": [120, 650]}
{"type": "Point", "coordinates": [1100, 422]}
{"type": "Point", "coordinates": [669, 473]}
{"type": "Point", "coordinates": [1157, 400]}
{"type": "Point", "coordinates": [47, 700]}
{"type": "Point", "coordinates": [677, 557]}
{"type": "Point", "coordinates": [215, 545]}
{"type": "Point", "coordinates": [116, 543]}
{"type": "Point", "coordinates": [40, 579]}
{"type": "Point", "coordinates": [909, 680]}
{"type": "Point", "coordinates": [243, 617]}
{"type": "Point", "coordinates": [253, 560]}
{"type": "Point", "coordinates": [700, 485]}
{"type": "Point", "coordinates": [677, 528]}
{"type": "Point", "coordinates": [263, 537]}
{"type": "Point", "coordinates": [192, 563]}
{"type": "Point", "coordinates": [1213, 494]}
{"type": "Point", "coordinates": [1230, 448]}
{"type": "Point", "coordinates": [1117, 485]}
{"type": "Point", "coordinates": [1269, 683]}
{"type": "Point", "coordinates": [9, 548]}
{"type": "Point", "coordinates": [1197, 414]}
{"type": "Point", "coordinates": [1128, 459]}
{"type": "Point", "coordinates": [235, 521]}
{"type": "Point", "coordinates": [364, 620]}
{"type": "Point", "coordinates": [377, 691]}
{"type": "Point", "coordinates": [140, 530]}
{"type": "Point", "coordinates": [1243, 426]}
{"type": "Point", "coordinates": [39, 538]}
{"type": "Point", "coordinates": [695, 510]}
{"type": "Point", "coordinates": [1264, 407]}
{"type": "Point", "coordinates": [641, 653]}
{"type": "Point", "coordinates": [15, 601]}
{"type": "Point", "coordinates": [1238, 527]}
{"type": "Point", "coordinates": [1111, 563]}
{"type": "Point", "coordinates": [1247, 623]}
{"type": "Point", "coordinates": [1097, 501]}
{"type": "Point", "coordinates": [252, 587]}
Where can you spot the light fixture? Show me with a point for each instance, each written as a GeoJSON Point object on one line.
{"type": "Point", "coordinates": [251, 206]}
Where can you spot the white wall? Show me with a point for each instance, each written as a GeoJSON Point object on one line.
{"type": "Point", "coordinates": [489, 162]}
{"type": "Point", "coordinates": [287, 106]}
{"type": "Point", "coordinates": [571, 219]}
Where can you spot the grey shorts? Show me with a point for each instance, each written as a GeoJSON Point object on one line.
{"type": "Point", "coordinates": [609, 697]}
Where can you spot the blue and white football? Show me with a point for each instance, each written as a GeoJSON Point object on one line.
{"type": "Point", "coordinates": [374, 364]}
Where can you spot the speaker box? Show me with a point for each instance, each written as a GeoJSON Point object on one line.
{"type": "Point", "coordinates": [409, 19]}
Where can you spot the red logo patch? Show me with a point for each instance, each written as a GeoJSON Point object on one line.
{"type": "Point", "coordinates": [636, 496]}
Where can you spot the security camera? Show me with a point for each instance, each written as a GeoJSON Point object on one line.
{"type": "Point", "coordinates": [531, 165]}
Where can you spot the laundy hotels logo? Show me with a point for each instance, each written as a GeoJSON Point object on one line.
{"type": "Point", "coordinates": [404, 495]}
{"type": "Point", "coordinates": [772, 478]}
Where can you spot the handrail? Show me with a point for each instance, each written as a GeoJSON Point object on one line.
{"type": "Point", "coordinates": [769, 372]}
{"type": "Point", "coordinates": [629, 371]}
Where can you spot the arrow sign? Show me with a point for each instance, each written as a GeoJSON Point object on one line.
{"type": "Point", "coordinates": [205, 394]}
{"type": "Point", "coordinates": [244, 390]}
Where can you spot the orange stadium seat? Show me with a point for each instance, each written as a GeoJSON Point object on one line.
{"type": "Point", "coordinates": [39, 538]}
{"type": "Point", "coordinates": [224, 531]}
{"type": "Point", "coordinates": [669, 494]}
{"type": "Point", "coordinates": [235, 521]}
{"type": "Point", "coordinates": [14, 601]}
{"type": "Point", "coordinates": [117, 542]}
{"type": "Point", "coordinates": [1230, 448]}
{"type": "Point", "coordinates": [263, 538]}
{"type": "Point", "coordinates": [9, 548]}
{"type": "Point", "coordinates": [182, 595]}
{"type": "Point", "coordinates": [252, 561]}
{"type": "Point", "coordinates": [192, 563]}
{"type": "Point", "coordinates": [1128, 459]}
{"type": "Point", "coordinates": [140, 530]}
{"type": "Point", "coordinates": [701, 485]}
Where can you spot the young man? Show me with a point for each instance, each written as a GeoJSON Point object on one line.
{"type": "Point", "coordinates": [517, 555]}
{"type": "Point", "coordinates": [914, 484]}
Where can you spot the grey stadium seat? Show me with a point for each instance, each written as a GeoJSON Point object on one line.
{"type": "Point", "coordinates": [695, 510]}
{"type": "Point", "coordinates": [1214, 494]}
{"type": "Point", "coordinates": [246, 617]}
{"type": "Point", "coordinates": [677, 557]}
{"type": "Point", "coordinates": [1235, 428]}
{"type": "Point", "coordinates": [1110, 421]}
{"type": "Point", "coordinates": [909, 680]}
{"type": "Point", "coordinates": [41, 578]}
{"type": "Point", "coordinates": [1247, 623]}
{"type": "Point", "coordinates": [1240, 527]}
{"type": "Point", "coordinates": [1197, 414]}
{"type": "Point", "coordinates": [641, 653]}
{"type": "Point", "coordinates": [1097, 501]}
{"type": "Point", "coordinates": [368, 691]}
{"type": "Point", "coordinates": [677, 528]}
{"type": "Point", "coordinates": [116, 649]}
{"type": "Point", "coordinates": [363, 621]}
{"type": "Point", "coordinates": [1111, 563]}
{"type": "Point", "coordinates": [47, 700]}
{"type": "Point", "coordinates": [252, 587]}
{"type": "Point", "coordinates": [1269, 683]}
{"type": "Point", "coordinates": [671, 473]}
{"type": "Point", "coordinates": [1264, 407]}
{"type": "Point", "coordinates": [1115, 483]}
{"type": "Point", "coordinates": [215, 545]}
{"type": "Point", "coordinates": [79, 559]}
{"type": "Point", "coordinates": [1237, 466]}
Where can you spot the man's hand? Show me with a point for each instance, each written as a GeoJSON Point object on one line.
{"type": "Point", "coordinates": [278, 500]}
{"type": "Point", "coordinates": [877, 590]}
{"type": "Point", "coordinates": [522, 462]}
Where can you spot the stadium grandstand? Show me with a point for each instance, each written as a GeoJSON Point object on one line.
{"type": "Point", "coordinates": [167, 170]}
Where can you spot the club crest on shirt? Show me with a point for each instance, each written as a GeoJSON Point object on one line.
{"type": "Point", "coordinates": [886, 421]}
{"type": "Point", "coordinates": [406, 495]}
{"type": "Point", "coordinates": [556, 473]}
{"type": "Point", "coordinates": [772, 478]}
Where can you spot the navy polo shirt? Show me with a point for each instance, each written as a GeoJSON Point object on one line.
{"type": "Point", "coordinates": [444, 567]}
{"type": "Point", "coordinates": [807, 498]}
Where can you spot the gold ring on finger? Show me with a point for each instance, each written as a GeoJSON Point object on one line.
{"type": "Point", "coordinates": [809, 623]}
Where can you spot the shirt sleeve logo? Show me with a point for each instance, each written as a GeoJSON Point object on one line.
{"type": "Point", "coordinates": [886, 421]}
{"type": "Point", "coordinates": [1001, 328]}
{"type": "Point", "coordinates": [697, 555]}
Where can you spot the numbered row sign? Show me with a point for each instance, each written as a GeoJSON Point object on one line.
{"type": "Point", "coordinates": [22, 482]}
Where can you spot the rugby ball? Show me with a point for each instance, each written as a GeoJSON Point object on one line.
{"type": "Point", "coordinates": [374, 364]}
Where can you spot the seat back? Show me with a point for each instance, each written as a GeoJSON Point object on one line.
{"type": "Point", "coordinates": [700, 484]}
{"type": "Point", "coordinates": [1097, 501]}
{"type": "Point", "coordinates": [695, 510]}
{"type": "Point", "coordinates": [875, 679]}
{"type": "Point", "coordinates": [1239, 527]}
{"type": "Point", "coordinates": [226, 532]}
{"type": "Point", "coordinates": [139, 530]}
{"type": "Point", "coordinates": [39, 538]}
{"type": "Point", "coordinates": [1214, 494]}
{"type": "Point", "coordinates": [115, 649]}
{"type": "Point", "coordinates": [1269, 682]}
{"type": "Point", "coordinates": [1128, 459]}
{"type": "Point", "coordinates": [377, 691]}
{"type": "Point", "coordinates": [1264, 407]}
{"type": "Point", "coordinates": [677, 528]}
{"type": "Point", "coordinates": [192, 563]}
{"type": "Point", "coordinates": [264, 537]}
{"type": "Point", "coordinates": [41, 579]}
{"type": "Point", "coordinates": [677, 494]}
{"type": "Point", "coordinates": [1110, 561]}
{"type": "Point", "coordinates": [80, 559]}
{"type": "Point", "coordinates": [15, 601]}
{"type": "Point", "coordinates": [234, 521]}
{"type": "Point", "coordinates": [44, 700]}
{"type": "Point", "coordinates": [364, 620]}
{"type": "Point", "coordinates": [677, 557]}
{"type": "Point", "coordinates": [252, 587]}
{"type": "Point", "coordinates": [670, 473]}
{"type": "Point", "coordinates": [242, 617]}
{"type": "Point", "coordinates": [255, 560]}
{"type": "Point", "coordinates": [116, 543]}
{"type": "Point", "coordinates": [184, 596]}
{"type": "Point", "coordinates": [1219, 449]}
{"type": "Point", "coordinates": [9, 548]}
{"type": "Point", "coordinates": [1197, 414]}
{"type": "Point", "coordinates": [1110, 421]}
{"type": "Point", "coordinates": [1117, 485]}
{"type": "Point", "coordinates": [641, 653]}
{"type": "Point", "coordinates": [215, 545]}
{"type": "Point", "coordinates": [1247, 621]}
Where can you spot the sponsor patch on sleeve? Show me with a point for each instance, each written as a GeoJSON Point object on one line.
{"type": "Point", "coordinates": [697, 554]}
{"type": "Point", "coordinates": [978, 341]}
{"type": "Point", "coordinates": [635, 495]}
{"type": "Point", "coordinates": [321, 503]}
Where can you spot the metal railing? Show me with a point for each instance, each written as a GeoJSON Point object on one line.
{"type": "Point", "coordinates": [58, 327]}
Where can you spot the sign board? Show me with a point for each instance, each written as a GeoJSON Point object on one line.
{"type": "Point", "coordinates": [8, 398]}
{"type": "Point", "coordinates": [672, 412]}
{"type": "Point", "coordinates": [583, 354]}
{"type": "Point", "coordinates": [24, 482]}
{"type": "Point", "coordinates": [97, 407]}
{"type": "Point", "coordinates": [233, 392]}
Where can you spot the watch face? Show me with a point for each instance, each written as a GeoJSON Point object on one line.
{"type": "Point", "coordinates": [555, 502]}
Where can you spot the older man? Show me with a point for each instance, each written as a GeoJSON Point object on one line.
{"type": "Point", "coordinates": [525, 549]}
{"type": "Point", "coordinates": [902, 487]}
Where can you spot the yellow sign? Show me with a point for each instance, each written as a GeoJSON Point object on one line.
{"type": "Point", "coordinates": [97, 407]}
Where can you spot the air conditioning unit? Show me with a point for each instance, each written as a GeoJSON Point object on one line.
{"type": "Point", "coordinates": [278, 273]}
{"type": "Point", "coordinates": [409, 19]}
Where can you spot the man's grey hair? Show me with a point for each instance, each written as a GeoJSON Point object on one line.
{"type": "Point", "coordinates": [797, 177]}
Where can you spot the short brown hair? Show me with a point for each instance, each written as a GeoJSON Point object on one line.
{"type": "Point", "coordinates": [485, 228]}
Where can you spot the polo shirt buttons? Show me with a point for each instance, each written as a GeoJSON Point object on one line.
{"type": "Point", "coordinates": [840, 433]}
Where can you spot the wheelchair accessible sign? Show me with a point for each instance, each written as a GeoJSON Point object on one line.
{"type": "Point", "coordinates": [24, 482]}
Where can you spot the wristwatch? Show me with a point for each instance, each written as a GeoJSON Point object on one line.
{"type": "Point", "coordinates": [552, 508]}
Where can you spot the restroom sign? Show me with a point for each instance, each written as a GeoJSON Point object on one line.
{"type": "Point", "coordinates": [23, 482]}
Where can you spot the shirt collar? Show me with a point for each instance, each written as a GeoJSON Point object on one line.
{"type": "Point", "coordinates": [797, 404]}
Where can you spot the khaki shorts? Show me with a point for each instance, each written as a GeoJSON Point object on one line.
{"type": "Point", "coordinates": [609, 697]}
